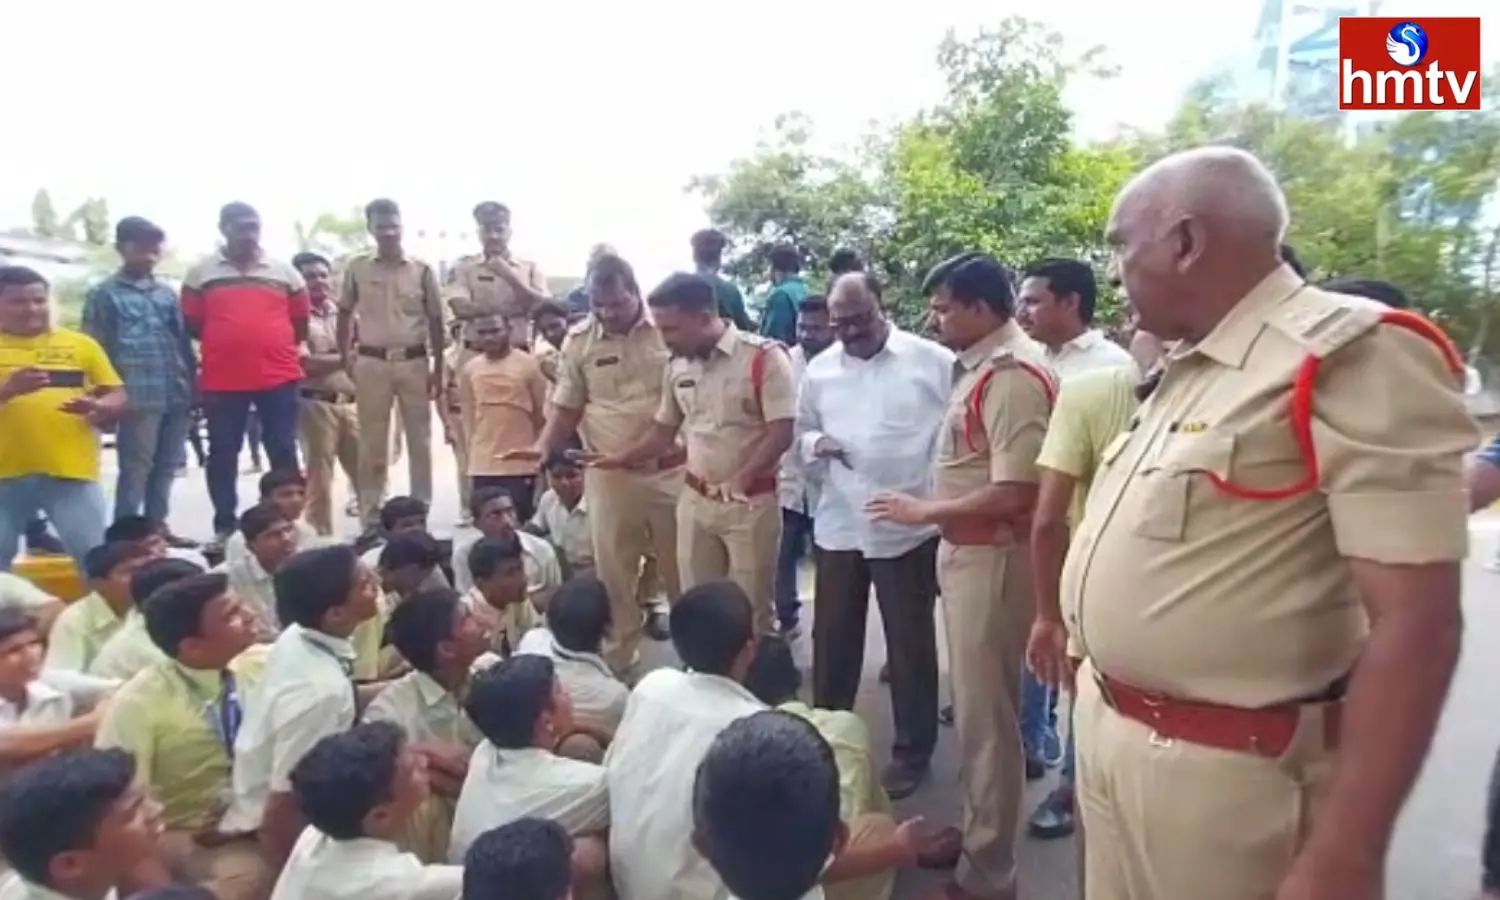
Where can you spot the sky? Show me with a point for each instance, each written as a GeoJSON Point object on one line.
{"type": "Point", "coordinates": [587, 119]}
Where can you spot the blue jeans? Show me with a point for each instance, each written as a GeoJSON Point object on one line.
{"type": "Point", "coordinates": [228, 415]}
{"type": "Point", "coordinates": [1038, 716]}
{"type": "Point", "coordinates": [796, 534]}
{"type": "Point", "coordinates": [151, 448]}
{"type": "Point", "coordinates": [76, 508]}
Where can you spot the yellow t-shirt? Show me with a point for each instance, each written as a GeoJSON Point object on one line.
{"type": "Point", "coordinates": [56, 443]}
{"type": "Point", "coordinates": [1091, 409]}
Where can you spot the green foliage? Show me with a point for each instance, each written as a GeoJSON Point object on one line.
{"type": "Point", "coordinates": [44, 220]}
{"type": "Point", "coordinates": [334, 235]}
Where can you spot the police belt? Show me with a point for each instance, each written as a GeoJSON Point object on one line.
{"type": "Point", "coordinates": [322, 396]}
{"type": "Point", "coordinates": [394, 354]}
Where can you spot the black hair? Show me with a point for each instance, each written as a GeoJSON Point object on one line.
{"type": "Point", "coordinates": [813, 303]}
{"type": "Point", "coordinates": [422, 621]}
{"type": "Point", "coordinates": [99, 562]}
{"type": "Point", "coordinates": [610, 268]}
{"type": "Point", "coordinates": [975, 278]}
{"type": "Point", "coordinates": [488, 208]}
{"type": "Point", "coordinates": [236, 210]}
{"type": "Point", "coordinates": [785, 258]}
{"type": "Point", "coordinates": [131, 528]}
{"type": "Point", "coordinates": [56, 805]}
{"type": "Point", "coordinates": [1370, 289]}
{"type": "Point", "coordinates": [175, 892]}
{"type": "Point", "coordinates": [411, 548]}
{"type": "Point", "coordinates": [157, 574]}
{"type": "Point", "coordinates": [485, 496]}
{"type": "Point", "coordinates": [711, 623]}
{"type": "Point", "coordinates": [398, 508]}
{"type": "Point", "coordinates": [506, 700]}
{"type": "Point", "coordinates": [13, 621]}
{"type": "Point", "coordinates": [382, 206]}
{"type": "Point", "coordinates": [774, 677]}
{"type": "Point", "coordinates": [346, 775]}
{"type": "Point", "coordinates": [766, 806]}
{"type": "Point", "coordinates": [1069, 276]}
{"type": "Point", "coordinates": [20, 276]}
{"type": "Point", "coordinates": [548, 308]}
{"type": "Point", "coordinates": [280, 478]}
{"type": "Point", "coordinates": [708, 246]}
{"type": "Point", "coordinates": [488, 553]}
{"type": "Point", "coordinates": [525, 859]}
{"type": "Point", "coordinates": [259, 519]}
{"type": "Point", "coordinates": [308, 258]}
{"type": "Point", "coordinates": [136, 230]}
{"type": "Point", "coordinates": [578, 615]}
{"type": "Point", "coordinates": [313, 582]}
{"type": "Point", "coordinates": [686, 293]}
{"type": "Point", "coordinates": [174, 612]}
{"type": "Point", "coordinates": [1289, 256]}
{"type": "Point", "coordinates": [843, 261]}
{"type": "Point", "coordinates": [561, 459]}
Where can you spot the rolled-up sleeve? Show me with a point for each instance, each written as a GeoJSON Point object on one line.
{"type": "Point", "coordinates": [1391, 432]}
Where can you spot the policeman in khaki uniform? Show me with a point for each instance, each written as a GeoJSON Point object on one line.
{"type": "Point", "coordinates": [494, 283]}
{"type": "Point", "coordinates": [733, 397]}
{"type": "Point", "coordinates": [394, 301]}
{"type": "Point", "coordinates": [610, 372]}
{"type": "Point", "coordinates": [325, 418]}
{"type": "Point", "coordinates": [984, 489]}
{"type": "Point", "coordinates": [1268, 626]}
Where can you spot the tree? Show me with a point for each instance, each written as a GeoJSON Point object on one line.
{"type": "Point", "coordinates": [44, 220]}
{"type": "Point", "coordinates": [333, 234]}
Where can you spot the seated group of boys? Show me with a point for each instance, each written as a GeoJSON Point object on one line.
{"type": "Point", "coordinates": [301, 724]}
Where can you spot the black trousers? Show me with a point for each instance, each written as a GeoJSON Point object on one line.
{"type": "Point", "coordinates": [906, 589]}
{"type": "Point", "coordinates": [522, 490]}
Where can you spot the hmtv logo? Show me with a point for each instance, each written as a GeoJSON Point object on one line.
{"type": "Point", "coordinates": [1409, 64]}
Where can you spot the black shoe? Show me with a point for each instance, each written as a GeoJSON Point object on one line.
{"type": "Point", "coordinates": [44, 544]}
{"type": "Point", "coordinates": [1053, 818]}
{"type": "Point", "coordinates": [885, 673]}
{"type": "Point", "coordinates": [945, 715]}
{"type": "Point", "coordinates": [656, 627]}
{"type": "Point", "coordinates": [1036, 769]}
{"type": "Point", "coordinates": [901, 779]}
{"type": "Point", "coordinates": [180, 543]}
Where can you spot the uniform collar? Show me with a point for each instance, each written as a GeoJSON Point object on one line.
{"type": "Point", "coordinates": [37, 693]}
{"type": "Point", "coordinates": [99, 617]}
{"type": "Point", "coordinates": [338, 646]}
{"type": "Point", "coordinates": [593, 660]}
{"type": "Point", "coordinates": [644, 321]}
{"type": "Point", "coordinates": [429, 691]}
{"type": "Point", "coordinates": [728, 340]}
{"type": "Point", "coordinates": [981, 350]}
{"type": "Point", "coordinates": [209, 680]}
{"type": "Point", "coordinates": [1230, 341]}
{"type": "Point", "coordinates": [1088, 340]}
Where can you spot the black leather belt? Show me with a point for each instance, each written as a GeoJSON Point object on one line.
{"type": "Point", "coordinates": [393, 354]}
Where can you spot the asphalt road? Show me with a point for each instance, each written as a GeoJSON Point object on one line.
{"type": "Point", "coordinates": [1436, 851]}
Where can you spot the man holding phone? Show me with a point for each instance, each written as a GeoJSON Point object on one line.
{"type": "Point", "coordinates": [56, 388]}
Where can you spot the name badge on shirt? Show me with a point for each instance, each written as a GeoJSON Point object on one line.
{"type": "Point", "coordinates": [603, 361]}
{"type": "Point", "coordinates": [485, 278]}
{"type": "Point", "coordinates": [687, 384]}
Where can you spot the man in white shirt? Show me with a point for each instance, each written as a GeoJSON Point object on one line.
{"type": "Point", "coordinates": [578, 619]}
{"type": "Point", "coordinates": [672, 718]}
{"type": "Point", "coordinates": [1056, 307]}
{"type": "Point", "coordinates": [798, 497]}
{"type": "Point", "coordinates": [357, 790]}
{"type": "Point", "coordinates": [868, 420]}
{"type": "Point", "coordinates": [524, 713]}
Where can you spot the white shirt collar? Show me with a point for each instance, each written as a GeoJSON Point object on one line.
{"type": "Point", "coordinates": [38, 695]}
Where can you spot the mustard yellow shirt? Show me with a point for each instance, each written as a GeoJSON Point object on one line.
{"type": "Point", "coordinates": [1092, 408]}
{"type": "Point", "coordinates": [58, 444]}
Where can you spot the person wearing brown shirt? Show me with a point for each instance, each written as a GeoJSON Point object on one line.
{"type": "Point", "coordinates": [502, 395]}
{"type": "Point", "coordinates": [329, 429]}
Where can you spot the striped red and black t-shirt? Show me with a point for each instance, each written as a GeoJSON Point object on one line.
{"type": "Point", "coordinates": [245, 318]}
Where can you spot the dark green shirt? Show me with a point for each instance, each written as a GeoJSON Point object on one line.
{"type": "Point", "coordinates": [778, 318]}
{"type": "Point", "coordinates": [731, 302]}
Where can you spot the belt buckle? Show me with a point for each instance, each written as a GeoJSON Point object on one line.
{"type": "Point", "coordinates": [395, 354]}
{"type": "Point", "coordinates": [1154, 703]}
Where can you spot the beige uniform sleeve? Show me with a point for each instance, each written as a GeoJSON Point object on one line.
{"type": "Point", "coordinates": [778, 387]}
{"type": "Point", "coordinates": [349, 291]}
{"type": "Point", "coordinates": [432, 295]}
{"type": "Point", "coordinates": [571, 390]}
{"type": "Point", "coordinates": [1391, 432]}
{"type": "Point", "coordinates": [670, 412]}
{"type": "Point", "coordinates": [1015, 421]}
{"type": "Point", "coordinates": [538, 281]}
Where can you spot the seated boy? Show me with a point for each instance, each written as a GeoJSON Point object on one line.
{"type": "Point", "coordinates": [524, 714]}
{"type": "Point", "coordinates": [440, 637]}
{"type": "Point", "coordinates": [562, 516]}
{"type": "Point", "coordinates": [80, 631]}
{"type": "Point", "coordinates": [154, 536]}
{"type": "Point", "coordinates": [270, 540]}
{"type": "Point", "coordinates": [18, 593]}
{"type": "Point", "coordinates": [76, 827]}
{"type": "Point", "coordinates": [495, 517]}
{"type": "Point", "coordinates": [498, 595]}
{"type": "Point", "coordinates": [528, 859]}
{"type": "Point", "coordinates": [285, 489]}
{"type": "Point", "coordinates": [408, 562]}
{"type": "Point", "coordinates": [38, 717]}
{"type": "Point", "coordinates": [356, 790]}
{"type": "Point", "coordinates": [322, 595]}
{"type": "Point", "coordinates": [397, 516]}
{"type": "Point", "coordinates": [578, 619]}
{"type": "Point", "coordinates": [131, 649]}
{"type": "Point", "coordinates": [179, 717]}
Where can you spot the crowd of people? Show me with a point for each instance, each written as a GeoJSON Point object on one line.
{"type": "Point", "coordinates": [1231, 549]}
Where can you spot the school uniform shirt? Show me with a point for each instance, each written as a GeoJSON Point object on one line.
{"type": "Point", "coordinates": [505, 785]}
{"type": "Point", "coordinates": [599, 697]}
{"type": "Point", "coordinates": [321, 868]}
{"type": "Point", "coordinates": [18, 593]}
{"type": "Point", "coordinates": [669, 723]}
{"type": "Point", "coordinates": [79, 632]}
{"type": "Point", "coordinates": [305, 695]}
{"type": "Point", "coordinates": [45, 705]}
{"type": "Point", "coordinates": [127, 651]}
{"type": "Point", "coordinates": [543, 571]}
{"type": "Point", "coordinates": [567, 529]}
{"type": "Point", "coordinates": [237, 549]}
{"type": "Point", "coordinates": [176, 722]}
{"type": "Point", "coordinates": [436, 580]}
{"type": "Point", "coordinates": [506, 627]}
{"type": "Point", "coordinates": [14, 887]}
{"type": "Point", "coordinates": [425, 710]}
{"type": "Point", "coordinates": [253, 586]}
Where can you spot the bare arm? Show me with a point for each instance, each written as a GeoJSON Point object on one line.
{"type": "Point", "coordinates": [1483, 479]}
{"type": "Point", "coordinates": [22, 744]}
{"type": "Point", "coordinates": [1049, 542]}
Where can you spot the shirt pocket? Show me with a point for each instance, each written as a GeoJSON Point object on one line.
{"type": "Point", "coordinates": [1177, 480]}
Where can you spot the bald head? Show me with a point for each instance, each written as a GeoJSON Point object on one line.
{"type": "Point", "coordinates": [854, 311]}
{"type": "Point", "coordinates": [1223, 187]}
{"type": "Point", "coordinates": [854, 292]}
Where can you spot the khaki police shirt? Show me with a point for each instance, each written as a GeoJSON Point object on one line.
{"type": "Point", "coordinates": [475, 290]}
{"type": "Point", "coordinates": [616, 379]}
{"type": "Point", "coordinates": [1002, 444]}
{"type": "Point", "coordinates": [717, 406]}
{"type": "Point", "coordinates": [322, 339]}
{"type": "Point", "coordinates": [393, 303]}
{"type": "Point", "coordinates": [1174, 586]}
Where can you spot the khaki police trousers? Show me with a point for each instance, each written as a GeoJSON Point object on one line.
{"type": "Point", "coordinates": [382, 386]}
{"type": "Point", "coordinates": [461, 441]}
{"type": "Point", "coordinates": [329, 434]}
{"type": "Point", "coordinates": [629, 513]}
{"type": "Point", "coordinates": [987, 610]}
{"type": "Point", "coordinates": [734, 540]}
{"type": "Point", "coordinates": [1168, 820]}
{"type": "Point", "coordinates": [235, 870]}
